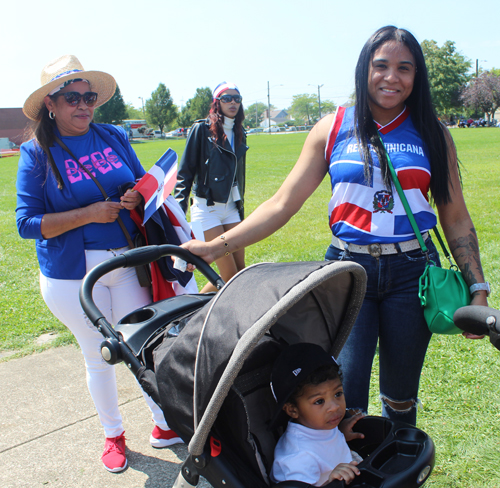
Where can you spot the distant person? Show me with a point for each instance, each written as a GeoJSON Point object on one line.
{"type": "Point", "coordinates": [306, 385]}
{"type": "Point", "coordinates": [393, 114]}
{"type": "Point", "coordinates": [62, 208]}
{"type": "Point", "coordinates": [212, 168]}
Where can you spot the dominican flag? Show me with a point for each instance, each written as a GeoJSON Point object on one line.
{"type": "Point", "coordinates": [157, 184]}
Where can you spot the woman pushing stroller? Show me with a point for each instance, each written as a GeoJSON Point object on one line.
{"type": "Point", "coordinates": [393, 113]}
{"type": "Point", "coordinates": [61, 206]}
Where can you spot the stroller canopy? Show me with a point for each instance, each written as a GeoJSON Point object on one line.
{"type": "Point", "coordinates": [314, 302]}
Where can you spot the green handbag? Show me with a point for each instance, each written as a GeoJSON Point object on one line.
{"type": "Point", "coordinates": [441, 291]}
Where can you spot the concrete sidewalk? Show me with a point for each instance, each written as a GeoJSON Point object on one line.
{"type": "Point", "coordinates": [50, 435]}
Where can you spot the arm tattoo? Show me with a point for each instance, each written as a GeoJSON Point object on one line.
{"type": "Point", "coordinates": [466, 253]}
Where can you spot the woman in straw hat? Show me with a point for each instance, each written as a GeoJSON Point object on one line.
{"type": "Point", "coordinates": [60, 204]}
{"type": "Point", "coordinates": [213, 169]}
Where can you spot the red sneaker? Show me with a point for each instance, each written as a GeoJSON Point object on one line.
{"type": "Point", "coordinates": [113, 456]}
{"type": "Point", "coordinates": [164, 438]}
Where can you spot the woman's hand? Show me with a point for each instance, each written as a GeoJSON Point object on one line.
{"type": "Point", "coordinates": [55, 224]}
{"type": "Point", "coordinates": [103, 212]}
{"type": "Point", "coordinates": [346, 427]}
{"type": "Point", "coordinates": [202, 249]}
{"type": "Point", "coordinates": [345, 472]}
{"type": "Point", "coordinates": [131, 199]}
{"type": "Point", "coordinates": [479, 298]}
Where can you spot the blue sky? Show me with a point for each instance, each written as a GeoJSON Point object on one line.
{"type": "Point", "coordinates": [187, 44]}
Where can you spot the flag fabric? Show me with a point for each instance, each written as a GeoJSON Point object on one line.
{"type": "Point", "coordinates": [157, 184]}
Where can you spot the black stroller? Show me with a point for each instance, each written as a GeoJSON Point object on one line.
{"type": "Point", "coordinates": [480, 321]}
{"type": "Point", "coordinates": [206, 359]}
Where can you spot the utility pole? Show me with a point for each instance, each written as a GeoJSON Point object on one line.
{"type": "Point", "coordinates": [319, 101]}
{"type": "Point", "coordinates": [268, 108]}
{"type": "Point", "coordinates": [143, 113]}
{"type": "Point", "coordinates": [319, 98]}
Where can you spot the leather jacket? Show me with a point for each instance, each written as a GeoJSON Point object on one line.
{"type": "Point", "coordinates": [208, 169]}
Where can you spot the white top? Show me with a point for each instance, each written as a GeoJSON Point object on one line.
{"type": "Point", "coordinates": [309, 455]}
{"type": "Point", "coordinates": [228, 130]}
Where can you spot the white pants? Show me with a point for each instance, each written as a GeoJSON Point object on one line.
{"type": "Point", "coordinates": [115, 294]}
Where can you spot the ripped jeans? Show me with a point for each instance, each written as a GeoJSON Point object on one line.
{"type": "Point", "coordinates": [391, 316]}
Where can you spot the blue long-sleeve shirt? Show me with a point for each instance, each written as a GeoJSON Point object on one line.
{"type": "Point", "coordinates": [63, 256]}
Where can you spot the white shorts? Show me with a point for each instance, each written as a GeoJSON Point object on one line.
{"type": "Point", "coordinates": [213, 216]}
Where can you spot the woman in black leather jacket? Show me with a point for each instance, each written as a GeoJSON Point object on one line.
{"type": "Point", "coordinates": [212, 168]}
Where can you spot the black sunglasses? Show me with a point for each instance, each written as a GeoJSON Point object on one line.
{"type": "Point", "coordinates": [73, 98]}
{"type": "Point", "coordinates": [228, 98]}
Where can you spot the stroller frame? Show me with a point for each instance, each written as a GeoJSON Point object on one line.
{"type": "Point", "coordinates": [395, 454]}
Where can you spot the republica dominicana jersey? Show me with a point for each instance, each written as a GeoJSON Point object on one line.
{"type": "Point", "coordinates": [366, 212]}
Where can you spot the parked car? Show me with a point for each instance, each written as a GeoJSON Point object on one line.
{"type": "Point", "coordinates": [158, 134]}
{"type": "Point", "coordinates": [254, 131]}
{"type": "Point", "coordinates": [179, 132]}
{"type": "Point", "coordinates": [273, 128]}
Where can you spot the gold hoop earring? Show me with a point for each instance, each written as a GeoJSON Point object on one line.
{"type": "Point", "coordinates": [52, 115]}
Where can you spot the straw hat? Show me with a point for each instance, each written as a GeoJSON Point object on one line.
{"type": "Point", "coordinates": [63, 69]}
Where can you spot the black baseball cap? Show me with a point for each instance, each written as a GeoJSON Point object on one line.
{"type": "Point", "coordinates": [293, 366]}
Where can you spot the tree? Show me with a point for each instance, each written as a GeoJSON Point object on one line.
{"type": "Point", "coordinates": [160, 108]}
{"type": "Point", "coordinates": [447, 70]}
{"type": "Point", "coordinates": [305, 108]}
{"type": "Point", "coordinates": [327, 107]}
{"type": "Point", "coordinates": [114, 111]}
{"type": "Point", "coordinates": [200, 103]}
{"type": "Point", "coordinates": [184, 119]}
{"type": "Point", "coordinates": [196, 108]}
{"type": "Point", "coordinates": [258, 108]}
{"type": "Point", "coordinates": [134, 113]}
{"type": "Point", "coordinates": [483, 93]}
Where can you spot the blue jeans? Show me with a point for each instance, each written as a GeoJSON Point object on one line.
{"type": "Point", "coordinates": [391, 316]}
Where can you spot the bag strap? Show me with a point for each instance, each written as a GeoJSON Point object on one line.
{"type": "Point", "coordinates": [101, 189]}
{"type": "Point", "coordinates": [404, 201]}
{"type": "Point", "coordinates": [409, 213]}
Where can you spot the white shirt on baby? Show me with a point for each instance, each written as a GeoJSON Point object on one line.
{"type": "Point", "coordinates": [309, 455]}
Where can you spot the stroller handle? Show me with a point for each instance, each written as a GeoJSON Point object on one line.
{"type": "Point", "coordinates": [129, 259]}
{"type": "Point", "coordinates": [480, 321]}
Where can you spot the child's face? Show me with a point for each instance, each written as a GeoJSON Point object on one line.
{"type": "Point", "coordinates": [320, 407]}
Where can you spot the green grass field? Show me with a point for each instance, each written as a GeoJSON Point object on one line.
{"type": "Point", "coordinates": [460, 391]}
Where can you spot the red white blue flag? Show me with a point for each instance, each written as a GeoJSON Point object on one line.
{"type": "Point", "coordinates": [157, 184]}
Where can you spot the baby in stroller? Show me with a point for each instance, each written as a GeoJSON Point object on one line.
{"type": "Point", "coordinates": [307, 387]}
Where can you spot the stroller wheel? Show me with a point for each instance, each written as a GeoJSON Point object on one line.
{"type": "Point", "coordinates": [110, 351]}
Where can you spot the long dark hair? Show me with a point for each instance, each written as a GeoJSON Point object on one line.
{"type": "Point", "coordinates": [43, 131]}
{"type": "Point", "coordinates": [421, 111]}
{"type": "Point", "coordinates": [216, 119]}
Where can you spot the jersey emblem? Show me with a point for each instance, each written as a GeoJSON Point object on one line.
{"type": "Point", "coordinates": [383, 202]}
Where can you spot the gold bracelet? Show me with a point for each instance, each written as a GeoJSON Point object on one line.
{"type": "Point", "coordinates": [223, 237]}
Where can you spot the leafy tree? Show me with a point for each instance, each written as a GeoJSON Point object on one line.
{"type": "Point", "coordinates": [196, 108]}
{"type": "Point", "coordinates": [305, 108]}
{"type": "Point", "coordinates": [184, 119]}
{"type": "Point", "coordinates": [134, 113]}
{"type": "Point", "coordinates": [483, 93]}
{"type": "Point", "coordinates": [447, 70]}
{"type": "Point", "coordinates": [160, 108]}
{"type": "Point", "coordinates": [258, 108]}
{"type": "Point", "coordinates": [200, 103]}
{"type": "Point", "coordinates": [114, 111]}
{"type": "Point", "coordinates": [327, 107]}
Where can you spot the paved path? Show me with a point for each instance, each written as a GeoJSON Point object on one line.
{"type": "Point", "coordinates": [50, 435]}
